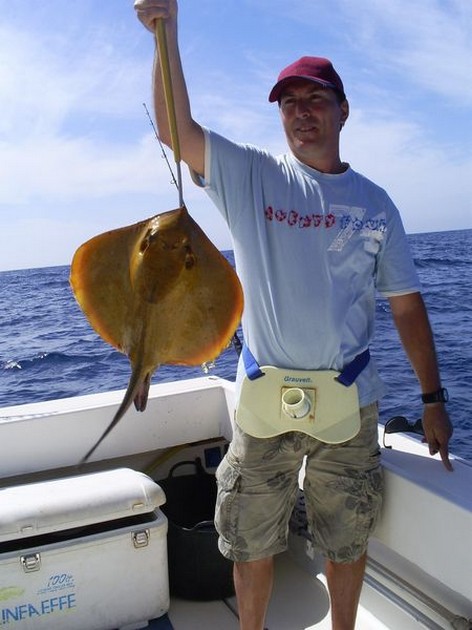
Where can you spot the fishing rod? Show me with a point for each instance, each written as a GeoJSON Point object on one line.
{"type": "Point", "coordinates": [170, 103]}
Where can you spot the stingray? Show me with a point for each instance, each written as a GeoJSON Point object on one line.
{"type": "Point", "coordinates": [160, 292]}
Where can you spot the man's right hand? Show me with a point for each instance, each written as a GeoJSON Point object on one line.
{"type": "Point", "coordinates": [148, 11]}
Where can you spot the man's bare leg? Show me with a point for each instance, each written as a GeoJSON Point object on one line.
{"type": "Point", "coordinates": [344, 585]}
{"type": "Point", "coordinates": [253, 584]}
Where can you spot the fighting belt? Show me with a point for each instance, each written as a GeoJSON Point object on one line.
{"type": "Point", "coordinates": [320, 403]}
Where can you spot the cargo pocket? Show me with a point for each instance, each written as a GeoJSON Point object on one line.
{"type": "Point", "coordinates": [227, 510]}
{"type": "Point", "coordinates": [364, 504]}
{"type": "Point", "coordinates": [344, 511]}
{"type": "Point", "coordinates": [373, 500]}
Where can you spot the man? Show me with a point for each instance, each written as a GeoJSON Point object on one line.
{"type": "Point", "coordinates": [313, 240]}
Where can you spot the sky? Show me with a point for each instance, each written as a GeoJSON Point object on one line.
{"type": "Point", "coordinates": [78, 155]}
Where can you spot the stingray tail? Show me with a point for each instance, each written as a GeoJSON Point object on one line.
{"type": "Point", "coordinates": [138, 390]}
{"type": "Point", "coordinates": [141, 393]}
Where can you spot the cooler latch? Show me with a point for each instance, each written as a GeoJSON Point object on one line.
{"type": "Point", "coordinates": [141, 538]}
{"type": "Point", "coordinates": [31, 563]}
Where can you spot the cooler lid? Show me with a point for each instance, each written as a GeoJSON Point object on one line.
{"type": "Point", "coordinates": [49, 506]}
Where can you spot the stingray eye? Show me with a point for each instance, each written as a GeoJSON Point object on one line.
{"type": "Point", "coordinates": [145, 243]}
{"type": "Point", "coordinates": [184, 245]}
{"type": "Point", "coordinates": [152, 235]}
{"type": "Point", "coordinates": [190, 258]}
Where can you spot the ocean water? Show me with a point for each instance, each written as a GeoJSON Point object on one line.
{"type": "Point", "coordinates": [48, 350]}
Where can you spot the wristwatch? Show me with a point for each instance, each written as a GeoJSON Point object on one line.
{"type": "Point", "coordinates": [440, 395]}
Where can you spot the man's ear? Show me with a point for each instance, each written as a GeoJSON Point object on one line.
{"type": "Point", "coordinates": [344, 112]}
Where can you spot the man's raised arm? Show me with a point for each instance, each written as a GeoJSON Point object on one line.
{"type": "Point", "coordinates": [191, 138]}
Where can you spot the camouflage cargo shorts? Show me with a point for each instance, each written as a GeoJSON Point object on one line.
{"type": "Point", "coordinates": [258, 484]}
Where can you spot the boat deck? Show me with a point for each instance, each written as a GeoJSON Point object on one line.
{"type": "Point", "coordinates": [299, 602]}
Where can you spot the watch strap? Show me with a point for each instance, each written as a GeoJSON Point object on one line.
{"type": "Point", "coordinates": [440, 395]}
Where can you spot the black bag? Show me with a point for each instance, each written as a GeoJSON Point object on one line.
{"type": "Point", "coordinates": [197, 570]}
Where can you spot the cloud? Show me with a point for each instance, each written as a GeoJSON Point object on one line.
{"type": "Point", "coordinates": [60, 168]}
{"type": "Point", "coordinates": [60, 112]}
{"type": "Point", "coordinates": [44, 84]}
{"type": "Point", "coordinates": [428, 42]}
{"type": "Point", "coordinates": [422, 181]}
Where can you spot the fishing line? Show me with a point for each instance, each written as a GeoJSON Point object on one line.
{"type": "Point", "coordinates": [164, 155]}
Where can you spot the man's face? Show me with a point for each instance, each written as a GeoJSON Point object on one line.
{"type": "Point", "coordinates": [312, 117]}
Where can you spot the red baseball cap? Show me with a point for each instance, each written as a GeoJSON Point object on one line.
{"type": "Point", "coordinates": [317, 69]}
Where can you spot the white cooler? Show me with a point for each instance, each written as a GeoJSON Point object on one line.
{"type": "Point", "coordinates": [83, 553]}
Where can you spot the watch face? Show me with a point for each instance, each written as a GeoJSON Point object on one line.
{"type": "Point", "coordinates": [444, 395]}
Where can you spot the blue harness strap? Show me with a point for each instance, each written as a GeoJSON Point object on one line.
{"type": "Point", "coordinates": [253, 370]}
{"type": "Point", "coordinates": [347, 376]}
{"type": "Point", "coordinates": [354, 368]}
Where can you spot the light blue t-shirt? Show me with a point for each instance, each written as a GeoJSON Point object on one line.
{"type": "Point", "coordinates": [311, 249]}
